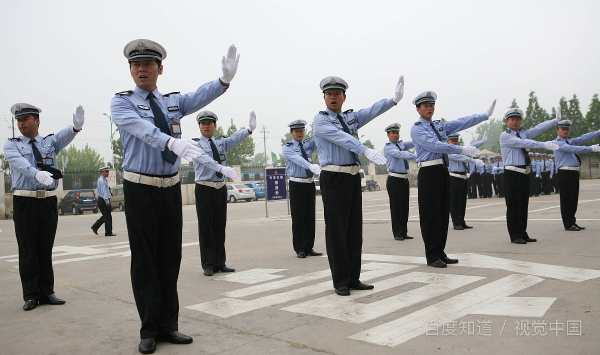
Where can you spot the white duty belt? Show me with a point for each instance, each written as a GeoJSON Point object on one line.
{"type": "Point", "coordinates": [151, 180]}
{"type": "Point", "coordinates": [302, 180]}
{"type": "Point", "coordinates": [430, 163]}
{"type": "Point", "coordinates": [217, 185]}
{"type": "Point", "coordinates": [574, 168]}
{"type": "Point", "coordinates": [519, 170]}
{"type": "Point", "coordinates": [34, 193]}
{"type": "Point", "coordinates": [351, 169]}
{"type": "Point", "coordinates": [458, 175]}
{"type": "Point", "coordinates": [402, 176]}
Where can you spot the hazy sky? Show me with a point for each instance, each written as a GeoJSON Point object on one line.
{"type": "Point", "coordinates": [60, 54]}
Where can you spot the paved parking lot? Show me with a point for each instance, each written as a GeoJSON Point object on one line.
{"type": "Point", "coordinates": [501, 298]}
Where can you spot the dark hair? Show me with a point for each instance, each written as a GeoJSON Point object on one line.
{"type": "Point", "coordinates": [155, 60]}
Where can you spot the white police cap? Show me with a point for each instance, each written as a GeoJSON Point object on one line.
{"type": "Point", "coordinates": [565, 124]}
{"type": "Point", "coordinates": [454, 136]}
{"type": "Point", "coordinates": [297, 124]}
{"type": "Point", "coordinates": [513, 112]}
{"type": "Point", "coordinates": [23, 110]}
{"type": "Point", "coordinates": [104, 168]}
{"type": "Point", "coordinates": [538, 155]}
{"type": "Point", "coordinates": [530, 154]}
{"type": "Point", "coordinates": [206, 116]}
{"type": "Point", "coordinates": [333, 84]}
{"type": "Point", "coordinates": [394, 127]}
{"type": "Point", "coordinates": [144, 49]}
{"type": "Point", "coordinates": [427, 96]}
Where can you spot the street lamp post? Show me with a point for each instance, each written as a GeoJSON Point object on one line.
{"type": "Point", "coordinates": [112, 134]}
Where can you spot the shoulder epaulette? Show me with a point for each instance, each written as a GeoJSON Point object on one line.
{"type": "Point", "coordinates": [50, 135]}
{"type": "Point", "coordinates": [126, 92]}
{"type": "Point", "coordinates": [323, 112]}
{"type": "Point", "coordinates": [348, 111]}
{"type": "Point", "coordinates": [289, 143]}
{"type": "Point", "coordinates": [436, 121]}
{"type": "Point", "coordinates": [221, 137]}
{"type": "Point", "coordinates": [388, 143]}
{"type": "Point", "coordinates": [171, 93]}
{"type": "Point", "coordinates": [14, 139]}
{"type": "Point", "coordinates": [508, 130]}
{"type": "Point", "coordinates": [418, 122]}
{"type": "Point", "coordinates": [196, 139]}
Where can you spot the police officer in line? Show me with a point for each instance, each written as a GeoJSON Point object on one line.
{"type": "Point", "coordinates": [103, 192]}
{"type": "Point", "coordinates": [336, 134]}
{"type": "Point", "coordinates": [300, 168]}
{"type": "Point", "coordinates": [433, 180]}
{"type": "Point", "coordinates": [481, 181]}
{"type": "Point", "coordinates": [555, 175]}
{"type": "Point", "coordinates": [517, 165]}
{"type": "Point", "coordinates": [538, 173]}
{"type": "Point", "coordinates": [493, 160]}
{"type": "Point", "coordinates": [532, 176]}
{"type": "Point", "coordinates": [211, 192]}
{"type": "Point", "coordinates": [149, 124]}
{"type": "Point", "coordinates": [473, 180]}
{"type": "Point", "coordinates": [35, 174]}
{"type": "Point", "coordinates": [545, 174]}
{"type": "Point", "coordinates": [397, 185]}
{"type": "Point", "coordinates": [568, 163]}
{"type": "Point", "coordinates": [498, 171]}
{"type": "Point", "coordinates": [458, 171]}
{"type": "Point", "coordinates": [487, 178]}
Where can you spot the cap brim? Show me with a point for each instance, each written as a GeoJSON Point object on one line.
{"type": "Point", "coordinates": [335, 89]}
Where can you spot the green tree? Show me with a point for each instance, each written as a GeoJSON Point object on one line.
{"type": "Point", "coordinates": [592, 120]}
{"type": "Point", "coordinates": [514, 104]}
{"type": "Point", "coordinates": [364, 162]}
{"type": "Point", "coordinates": [259, 159]}
{"type": "Point", "coordinates": [117, 149]}
{"type": "Point", "coordinates": [86, 159]}
{"type": "Point", "coordinates": [535, 115]}
{"type": "Point", "coordinates": [243, 153]}
{"type": "Point", "coordinates": [494, 127]}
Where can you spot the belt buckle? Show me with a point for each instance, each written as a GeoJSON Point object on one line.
{"type": "Point", "coordinates": [355, 169]}
{"type": "Point", "coordinates": [40, 194]}
{"type": "Point", "coordinates": [166, 182]}
{"type": "Point", "coordinates": [219, 184]}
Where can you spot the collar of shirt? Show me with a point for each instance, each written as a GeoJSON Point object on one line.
{"type": "Point", "coordinates": [561, 139]}
{"type": "Point", "coordinates": [333, 114]}
{"type": "Point", "coordinates": [144, 94]}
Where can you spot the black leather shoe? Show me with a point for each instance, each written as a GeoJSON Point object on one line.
{"type": "Point", "coordinates": [573, 229]}
{"type": "Point", "coordinates": [466, 227]}
{"type": "Point", "coordinates": [147, 346]}
{"type": "Point", "coordinates": [52, 300]}
{"type": "Point", "coordinates": [208, 272]}
{"type": "Point", "coordinates": [225, 269]}
{"type": "Point", "coordinates": [447, 260]}
{"type": "Point", "coordinates": [301, 255]}
{"type": "Point", "coordinates": [438, 263]}
{"type": "Point", "coordinates": [342, 291]}
{"type": "Point", "coordinates": [578, 226]}
{"type": "Point", "coordinates": [530, 240]}
{"type": "Point", "coordinates": [95, 231]}
{"type": "Point", "coordinates": [407, 237]}
{"type": "Point", "coordinates": [459, 228]}
{"type": "Point", "coordinates": [399, 238]}
{"type": "Point", "coordinates": [176, 338]}
{"type": "Point", "coordinates": [518, 241]}
{"type": "Point", "coordinates": [313, 253]}
{"type": "Point", "coordinates": [110, 235]}
{"type": "Point", "coordinates": [29, 305]}
{"type": "Point", "coordinates": [362, 286]}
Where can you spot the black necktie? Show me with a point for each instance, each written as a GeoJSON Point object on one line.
{"type": "Point", "coordinates": [345, 128]}
{"type": "Point", "coordinates": [405, 162]}
{"type": "Point", "coordinates": [216, 155]}
{"type": "Point", "coordinates": [56, 174]}
{"type": "Point", "coordinates": [161, 122]}
{"type": "Point", "coordinates": [465, 166]}
{"type": "Point", "coordinates": [527, 160]}
{"type": "Point", "coordinates": [305, 156]}
{"type": "Point", "coordinates": [576, 155]}
{"type": "Point", "coordinates": [444, 155]}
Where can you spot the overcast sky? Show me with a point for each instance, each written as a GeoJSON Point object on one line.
{"type": "Point", "coordinates": [60, 54]}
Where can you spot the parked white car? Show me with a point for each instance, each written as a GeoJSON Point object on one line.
{"type": "Point", "coordinates": [240, 192]}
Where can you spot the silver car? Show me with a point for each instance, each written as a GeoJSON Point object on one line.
{"type": "Point", "coordinates": [240, 192]}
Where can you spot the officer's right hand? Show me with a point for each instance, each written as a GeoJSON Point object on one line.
{"type": "Point", "coordinates": [108, 204]}
{"type": "Point", "coordinates": [558, 114]}
{"type": "Point", "coordinates": [596, 148]}
{"type": "Point", "coordinates": [229, 172]}
{"type": "Point", "coordinates": [44, 177]}
{"type": "Point", "coordinates": [184, 149]}
{"type": "Point", "coordinates": [479, 162]}
{"type": "Point", "coordinates": [229, 65]}
{"type": "Point", "coordinates": [550, 145]}
{"type": "Point", "coordinates": [470, 150]}
{"type": "Point", "coordinates": [375, 156]}
{"type": "Point", "coordinates": [399, 93]}
{"type": "Point", "coordinates": [315, 169]}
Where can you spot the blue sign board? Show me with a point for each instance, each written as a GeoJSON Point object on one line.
{"type": "Point", "coordinates": [276, 184]}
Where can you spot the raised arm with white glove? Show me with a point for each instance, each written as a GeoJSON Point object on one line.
{"type": "Point", "coordinates": [229, 172]}
{"type": "Point", "coordinates": [78, 118]}
{"type": "Point", "coordinates": [375, 156]}
{"type": "Point", "coordinates": [229, 65]}
{"type": "Point", "coordinates": [399, 93]}
{"type": "Point", "coordinates": [550, 145]}
{"type": "Point", "coordinates": [596, 148]}
{"type": "Point", "coordinates": [252, 122]}
{"type": "Point", "coordinates": [558, 114]}
{"type": "Point", "coordinates": [470, 150]}
{"type": "Point", "coordinates": [490, 110]}
{"type": "Point", "coordinates": [44, 177]}
{"type": "Point", "coordinates": [184, 148]}
{"type": "Point", "coordinates": [315, 169]}
{"type": "Point", "coordinates": [485, 137]}
{"type": "Point", "coordinates": [479, 162]}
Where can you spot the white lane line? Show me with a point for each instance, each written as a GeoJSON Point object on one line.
{"type": "Point", "coordinates": [548, 208]}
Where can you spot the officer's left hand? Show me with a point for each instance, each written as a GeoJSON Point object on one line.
{"type": "Point", "coordinates": [375, 156]}
{"type": "Point", "coordinates": [108, 204]}
{"type": "Point", "coordinates": [78, 118]}
{"type": "Point", "coordinates": [558, 114]}
{"type": "Point", "coordinates": [229, 65]}
{"type": "Point", "coordinates": [315, 169]}
{"type": "Point", "coordinates": [479, 162]}
{"type": "Point", "coordinates": [399, 89]}
{"type": "Point", "coordinates": [490, 110]}
{"type": "Point", "coordinates": [252, 122]}
{"type": "Point", "coordinates": [595, 148]}
{"type": "Point", "coordinates": [184, 149]}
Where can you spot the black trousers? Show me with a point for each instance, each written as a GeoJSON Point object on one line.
{"type": "Point", "coordinates": [399, 194]}
{"type": "Point", "coordinates": [546, 183]}
{"type": "Point", "coordinates": [434, 209]}
{"type": "Point", "coordinates": [486, 182]}
{"type": "Point", "coordinates": [458, 200]}
{"type": "Point", "coordinates": [342, 204]}
{"type": "Point", "coordinates": [211, 209]}
{"type": "Point", "coordinates": [516, 193]}
{"type": "Point", "coordinates": [106, 217]}
{"type": "Point", "coordinates": [154, 225]}
{"type": "Point", "coordinates": [481, 185]}
{"type": "Point", "coordinates": [495, 185]}
{"type": "Point", "coordinates": [35, 227]}
{"type": "Point", "coordinates": [568, 181]}
{"type": "Point", "coordinates": [555, 182]}
{"type": "Point", "coordinates": [534, 184]}
{"type": "Point", "coordinates": [500, 184]}
{"type": "Point", "coordinates": [473, 184]}
{"type": "Point", "coordinates": [302, 206]}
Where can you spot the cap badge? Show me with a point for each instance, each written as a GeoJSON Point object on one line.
{"type": "Point", "coordinates": [141, 45]}
{"type": "Point", "coordinates": [332, 81]}
{"type": "Point", "coordinates": [428, 94]}
{"type": "Point", "coordinates": [18, 107]}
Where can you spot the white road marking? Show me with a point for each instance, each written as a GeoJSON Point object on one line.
{"type": "Point", "coordinates": [272, 286]}
{"type": "Point", "coordinates": [252, 276]}
{"type": "Point", "coordinates": [534, 307]}
{"type": "Point", "coordinates": [548, 208]}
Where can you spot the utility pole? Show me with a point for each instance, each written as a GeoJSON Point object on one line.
{"type": "Point", "coordinates": [12, 125]}
{"type": "Point", "coordinates": [264, 132]}
{"type": "Point", "coordinates": [112, 134]}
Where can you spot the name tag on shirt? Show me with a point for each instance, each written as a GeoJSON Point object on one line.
{"type": "Point", "coordinates": [47, 161]}
{"type": "Point", "coordinates": [142, 107]}
{"type": "Point", "coordinates": [351, 122]}
{"type": "Point", "coordinates": [173, 108]}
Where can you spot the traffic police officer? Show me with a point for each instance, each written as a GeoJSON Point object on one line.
{"type": "Point", "coordinates": [300, 168]}
{"type": "Point", "coordinates": [532, 175]}
{"type": "Point", "coordinates": [568, 162]}
{"type": "Point", "coordinates": [433, 180]}
{"type": "Point", "coordinates": [397, 185]}
{"type": "Point", "coordinates": [498, 171]}
{"type": "Point", "coordinates": [517, 163]}
{"type": "Point", "coordinates": [103, 192]}
{"type": "Point", "coordinates": [336, 134]}
{"type": "Point", "coordinates": [33, 166]}
{"type": "Point", "coordinates": [211, 192]}
{"type": "Point", "coordinates": [545, 174]}
{"type": "Point", "coordinates": [149, 124]}
{"type": "Point", "coordinates": [458, 171]}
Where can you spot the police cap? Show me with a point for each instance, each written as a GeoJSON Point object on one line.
{"type": "Point", "coordinates": [394, 127]}
{"type": "Point", "coordinates": [427, 96]}
{"type": "Point", "coordinates": [333, 84]}
{"type": "Point", "coordinates": [104, 168]}
{"type": "Point", "coordinates": [565, 124]}
{"type": "Point", "coordinates": [454, 136]}
{"type": "Point", "coordinates": [23, 110]}
{"type": "Point", "coordinates": [144, 49]}
{"type": "Point", "coordinates": [206, 116]}
{"type": "Point", "coordinates": [513, 112]}
{"type": "Point", "coordinates": [297, 124]}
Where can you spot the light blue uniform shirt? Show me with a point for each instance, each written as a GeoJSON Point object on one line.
{"type": "Point", "coordinates": [498, 167]}
{"type": "Point", "coordinates": [565, 155]}
{"type": "Point", "coordinates": [19, 155]}
{"type": "Point", "coordinates": [429, 147]}
{"type": "Point", "coordinates": [102, 189]}
{"type": "Point", "coordinates": [396, 155]}
{"type": "Point", "coordinates": [538, 167]}
{"type": "Point", "coordinates": [456, 163]}
{"type": "Point", "coordinates": [511, 145]}
{"type": "Point", "coordinates": [206, 167]}
{"type": "Point", "coordinates": [488, 168]}
{"type": "Point", "coordinates": [480, 169]}
{"type": "Point", "coordinates": [295, 164]}
{"type": "Point", "coordinates": [336, 146]}
{"type": "Point", "coordinates": [142, 139]}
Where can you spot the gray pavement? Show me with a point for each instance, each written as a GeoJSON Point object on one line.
{"type": "Point", "coordinates": [501, 298]}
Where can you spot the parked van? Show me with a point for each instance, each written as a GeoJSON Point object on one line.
{"type": "Point", "coordinates": [117, 199]}
{"type": "Point", "coordinates": [363, 180]}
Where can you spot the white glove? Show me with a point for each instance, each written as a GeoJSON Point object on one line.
{"type": "Point", "coordinates": [479, 162]}
{"type": "Point", "coordinates": [375, 156]}
{"type": "Point", "coordinates": [44, 177]}
{"type": "Point", "coordinates": [229, 65]}
{"type": "Point", "coordinates": [537, 176]}
{"type": "Point", "coordinates": [550, 145]}
{"type": "Point", "coordinates": [252, 121]}
{"type": "Point", "coordinates": [468, 175]}
{"type": "Point", "coordinates": [596, 148]}
{"type": "Point", "coordinates": [490, 110]}
{"type": "Point", "coordinates": [229, 172]}
{"type": "Point", "coordinates": [78, 118]}
{"type": "Point", "coordinates": [485, 137]}
{"type": "Point", "coordinates": [184, 149]}
{"type": "Point", "coordinates": [399, 89]}
{"type": "Point", "coordinates": [470, 150]}
{"type": "Point", "coordinates": [558, 114]}
{"type": "Point", "coordinates": [315, 169]}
